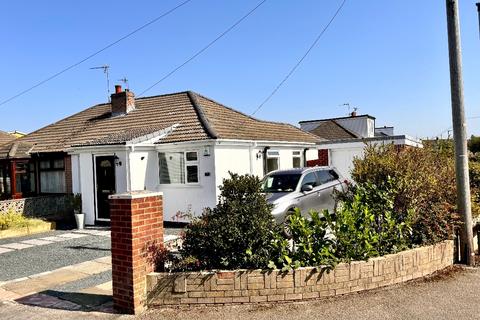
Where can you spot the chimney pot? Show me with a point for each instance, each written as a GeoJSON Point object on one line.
{"type": "Point", "coordinates": [354, 114]}
{"type": "Point", "coordinates": [122, 101]}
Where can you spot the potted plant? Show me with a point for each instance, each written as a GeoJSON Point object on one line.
{"type": "Point", "coordinates": [77, 210]}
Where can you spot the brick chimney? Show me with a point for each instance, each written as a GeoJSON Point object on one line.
{"type": "Point", "coordinates": [122, 101]}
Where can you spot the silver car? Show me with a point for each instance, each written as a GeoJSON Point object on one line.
{"type": "Point", "coordinates": [303, 188]}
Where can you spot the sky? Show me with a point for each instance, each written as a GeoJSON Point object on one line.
{"type": "Point", "coordinates": [387, 58]}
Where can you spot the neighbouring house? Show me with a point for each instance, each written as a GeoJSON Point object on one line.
{"type": "Point", "coordinates": [345, 138]}
{"type": "Point", "coordinates": [183, 144]}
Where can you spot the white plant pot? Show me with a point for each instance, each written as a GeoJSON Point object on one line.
{"type": "Point", "coordinates": [80, 219]}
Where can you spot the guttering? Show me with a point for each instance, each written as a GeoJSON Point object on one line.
{"type": "Point", "coordinates": [388, 139]}
{"type": "Point", "coordinates": [305, 156]}
{"type": "Point", "coordinates": [265, 160]}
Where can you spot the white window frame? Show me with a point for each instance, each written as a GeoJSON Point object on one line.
{"type": "Point", "coordinates": [189, 163]}
{"type": "Point", "coordinates": [273, 154]}
{"type": "Point", "coordinates": [186, 163]}
{"type": "Point", "coordinates": [297, 154]}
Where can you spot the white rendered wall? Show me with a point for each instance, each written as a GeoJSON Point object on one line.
{"type": "Point", "coordinates": [76, 186]}
{"type": "Point", "coordinates": [243, 159]}
{"type": "Point", "coordinates": [183, 198]}
{"type": "Point", "coordinates": [342, 158]}
{"type": "Point", "coordinates": [87, 187]}
{"type": "Point", "coordinates": [86, 179]}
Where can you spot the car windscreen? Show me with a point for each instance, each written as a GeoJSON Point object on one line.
{"type": "Point", "coordinates": [280, 183]}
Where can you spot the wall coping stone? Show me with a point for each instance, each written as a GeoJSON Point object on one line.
{"type": "Point", "coordinates": [219, 287]}
{"type": "Point", "coordinates": [135, 194]}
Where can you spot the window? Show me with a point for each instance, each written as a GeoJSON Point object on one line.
{"type": "Point", "coordinates": [24, 178]}
{"type": "Point", "coordinates": [178, 167]}
{"type": "Point", "coordinates": [280, 183]}
{"type": "Point", "coordinates": [311, 179]}
{"type": "Point", "coordinates": [297, 159]}
{"type": "Point", "coordinates": [327, 176]}
{"type": "Point", "coordinates": [5, 181]}
{"type": "Point", "coordinates": [273, 161]}
{"type": "Point", "coordinates": [52, 176]}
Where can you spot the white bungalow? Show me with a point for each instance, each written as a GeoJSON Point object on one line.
{"type": "Point", "coordinates": [182, 144]}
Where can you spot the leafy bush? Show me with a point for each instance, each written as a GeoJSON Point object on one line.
{"type": "Point", "coordinates": [424, 185]}
{"type": "Point", "coordinates": [12, 219]}
{"type": "Point", "coordinates": [366, 224]}
{"type": "Point", "coordinates": [474, 144]}
{"type": "Point", "coordinates": [311, 243]}
{"type": "Point", "coordinates": [238, 233]}
{"type": "Point", "coordinates": [474, 167]}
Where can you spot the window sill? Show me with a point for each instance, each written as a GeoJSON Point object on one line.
{"type": "Point", "coordinates": [179, 186]}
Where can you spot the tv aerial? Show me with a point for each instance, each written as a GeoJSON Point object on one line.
{"type": "Point", "coordinates": [105, 69]}
{"type": "Point", "coordinates": [124, 80]}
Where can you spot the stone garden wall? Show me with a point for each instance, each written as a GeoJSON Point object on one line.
{"type": "Point", "coordinates": [39, 207]}
{"type": "Point", "coordinates": [254, 286]}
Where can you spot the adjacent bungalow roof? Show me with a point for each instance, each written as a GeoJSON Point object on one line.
{"type": "Point", "coordinates": [340, 118]}
{"type": "Point", "coordinates": [191, 116]}
{"type": "Point", "coordinates": [16, 149]}
{"type": "Point", "coordinates": [331, 130]}
{"type": "Point", "coordinates": [6, 137]}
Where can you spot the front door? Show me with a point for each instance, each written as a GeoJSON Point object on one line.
{"type": "Point", "coordinates": [105, 176]}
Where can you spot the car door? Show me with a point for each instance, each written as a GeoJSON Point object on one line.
{"type": "Point", "coordinates": [308, 200]}
{"type": "Point", "coordinates": [328, 182]}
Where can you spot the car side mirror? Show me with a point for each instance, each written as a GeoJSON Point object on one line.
{"type": "Point", "coordinates": [307, 188]}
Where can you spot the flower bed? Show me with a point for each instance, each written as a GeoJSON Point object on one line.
{"type": "Point", "coordinates": [256, 286]}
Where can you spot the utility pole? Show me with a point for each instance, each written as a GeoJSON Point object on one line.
{"type": "Point", "coordinates": [460, 134]}
{"type": "Point", "coordinates": [478, 9]}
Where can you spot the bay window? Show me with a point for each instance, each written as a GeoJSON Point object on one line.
{"type": "Point", "coordinates": [178, 167]}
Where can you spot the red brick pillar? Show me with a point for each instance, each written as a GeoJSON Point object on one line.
{"type": "Point", "coordinates": [136, 224]}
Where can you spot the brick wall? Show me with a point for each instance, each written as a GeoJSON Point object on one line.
{"type": "Point", "coordinates": [136, 224]}
{"type": "Point", "coordinates": [322, 159]}
{"type": "Point", "coordinates": [53, 206]}
{"type": "Point", "coordinates": [68, 173]}
{"type": "Point", "coordinates": [253, 286]}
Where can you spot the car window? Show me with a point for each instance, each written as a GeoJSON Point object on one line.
{"type": "Point", "coordinates": [280, 183]}
{"type": "Point", "coordinates": [326, 176]}
{"type": "Point", "coordinates": [311, 179]}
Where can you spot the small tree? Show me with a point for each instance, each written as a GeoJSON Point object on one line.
{"type": "Point", "coordinates": [238, 233]}
{"type": "Point", "coordinates": [424, 182]}
{"type": "Point", "coordinates": [474, 144]}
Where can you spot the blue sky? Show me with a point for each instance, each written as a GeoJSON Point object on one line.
{"type": "Point", "coordinates": [388, 58]}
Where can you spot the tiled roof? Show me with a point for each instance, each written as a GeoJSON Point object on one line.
{"type": "Point", "coordinates": [15, 149]}
{"type": "Point", "coordinates": [195, 118]}
{"type": "Point", "coordinates": [331, 130]}
{"type": "Point", "coordinates": [6, 137]}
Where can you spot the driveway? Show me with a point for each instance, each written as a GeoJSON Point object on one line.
{"type": "Point", "coordinates": [67, 270]}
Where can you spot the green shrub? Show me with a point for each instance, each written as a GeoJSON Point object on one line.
{"type": "Point", "coordinates": [310, 244]}
{"type": "Point", "coordinates": [424, 185]}
{"type": "Point", "coordinates": [12, 219]}
{"type": "Point", "coordinates": [366, 224]}
{"type": "Point", "coordinates": [237, 233]}
{"type": "Point", "coordinates": [474, 168]}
